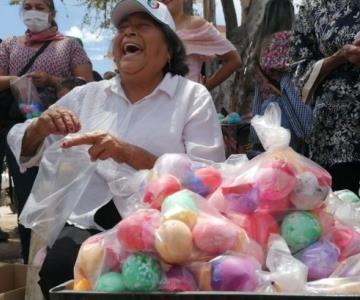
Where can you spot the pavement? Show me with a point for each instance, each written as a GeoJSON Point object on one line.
{"type": "Point", "coordinates": [9, 250]}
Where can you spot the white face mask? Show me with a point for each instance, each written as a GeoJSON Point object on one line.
{"type": "Point", "coordinates": [36, 21]}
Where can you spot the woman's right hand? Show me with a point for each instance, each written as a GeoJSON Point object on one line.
{"type": "Point", "coordinates": [56, 120]}
{"type": "Point", "coordinates": [351, 53]}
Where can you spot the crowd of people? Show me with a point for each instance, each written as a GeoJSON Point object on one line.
{"type": "Point", "coordinates": [158, 99]}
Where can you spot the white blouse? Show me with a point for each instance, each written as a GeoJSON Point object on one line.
{"type": "Point", "coordinates": [177, 117]}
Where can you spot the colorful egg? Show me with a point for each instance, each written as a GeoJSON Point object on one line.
{"type": "Point", "coordinates": [195, 184]}
{"type": "Point", "coordinates": [258, 226]}
{"type": "Point", "coordinates": [308, 194]}
{"type": "Point", "coordinates": [173, 242]}
{"type": "Point", "coordinates": [111, 282]}
{"type": "Point", "coordinates": [182, 207]}
{"type": "Point", "coordinates": [179, 279]}
{"type": "Point", "coordinates": [90, 258]}
{"type": "Point", "coordinates": [347, 196]}
{"type": "Point", "coordinates": [243, 199]}
{"type": "Point", "coordinates": [347, 240]}
{"type": "Point", "coordinates": [321, 258]}
{"type": "Point", "coordinates": [275, 180]}
{"type": "Point", "coordinates": [158, 189]}
{"type": "Point", "coordinates": [210, 177]}
{"type": "Point", "coordinates": [215, 236]}
{"type": "Point", "coordinates": [234, 273]}
{"type": "Point", "coordinates": [82, 285]}
{"type": "Point", "coordinates": [141, 273]}
{"type": "Point", "coordinates": [300, 230]}
{"type": "Point", "coordinates": [136, 232]}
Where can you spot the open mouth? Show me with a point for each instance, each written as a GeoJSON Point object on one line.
{"type": "Point", "coordinates": [131, 48]}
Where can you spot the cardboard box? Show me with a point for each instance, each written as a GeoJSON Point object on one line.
{"type": "Point", "coordinates": [12, 281]}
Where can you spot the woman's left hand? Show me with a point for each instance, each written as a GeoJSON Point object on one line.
{"type": "Point", "coordinates": [40, 78]}
{"type": "Point", "coordinates": [103, 146]}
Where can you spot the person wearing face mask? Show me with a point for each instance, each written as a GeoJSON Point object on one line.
{"type": "Point", "coordinates": [203, 43]}
{"type": "Point", "coordinates": [63, 57]}
{"type": "Point", "coordinates": [147, 110]}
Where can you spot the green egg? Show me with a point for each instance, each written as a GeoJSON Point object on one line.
{"type": "Point", "coordinates": [181, 199]}
{"type": "Point", "coordinates": [300, 229]}
{"type": "Point", "coordinates": [110, 282]}
{"type": "Point", "coordinates": [141, 273]}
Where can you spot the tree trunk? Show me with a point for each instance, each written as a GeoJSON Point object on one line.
{"type": "Point", "coordinates": [230, 16]}
{"type": "Point", "coordinates": [188, 7]}
{"type": "Point", "coordinates": [209, 10]}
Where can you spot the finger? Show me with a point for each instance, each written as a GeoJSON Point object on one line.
{"type": "Point", "coordinates": [68, 121]}
{"type": "Point", "coordinates": [82, 139]}
{"type": "Point", "coordinates": [95, 151]}
{"type": "Point", "coordinates": [57, 118]}
{"type": "Point", "coordinates": [76, 122]}
{"type": "Point", "coordinates": [106, 154]}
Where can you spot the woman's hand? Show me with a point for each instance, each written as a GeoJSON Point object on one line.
{"type": "Point", "coordinates": [42, 79]}
{"type": "Point", "coordinates": [105, 146]}
{"type": "Point", "coordinates": [351, 53]}
{"type": "Point", "coordinates": [56, 121]}
{"type": "Point", "coordinates": [52, 121]}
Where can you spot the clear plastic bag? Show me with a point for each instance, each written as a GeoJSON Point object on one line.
{"type": "Point", "coordinates": [27, 96]}
{"type": "Point", "coordinates": [63, 176]}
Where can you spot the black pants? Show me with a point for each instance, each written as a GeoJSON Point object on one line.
{"type": "Point", "coordinates": [58, 266]}
{"type": "Point", "coordinates": [345, 176]}
{"type": "Point", "coordinates": [23, 183]}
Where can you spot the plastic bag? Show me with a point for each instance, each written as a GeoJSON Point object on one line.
{"type": "Point", "coordinates": [288, 273]}
{"type": "Point", "coordinates": [334, 286]}
{"type": "Point", "coordinates": [64, 174]}
{"type": "Point", "coordinates": [276, 189]}
{"type": "Point", "coordinates": [27, 96]}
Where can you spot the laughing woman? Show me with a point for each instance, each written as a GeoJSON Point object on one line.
{"type": "Point", "coordinates": [157, 111]}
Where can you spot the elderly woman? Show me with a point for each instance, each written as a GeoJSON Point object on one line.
{"type": "Point", "coordinates": [157, 111]}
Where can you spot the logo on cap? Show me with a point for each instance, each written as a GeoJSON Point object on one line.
{"type": "Point", "coordinates": [153, 4]}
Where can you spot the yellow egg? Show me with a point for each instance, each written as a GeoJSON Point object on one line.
{"type": "Point", "coordinates": [90, 259]}
{"type": "Point", "coordinates": [173, 242]}
{"type": "Point", "coordinates": [82, 285]}
{"type": "Point", "coordinates": [184, 215]}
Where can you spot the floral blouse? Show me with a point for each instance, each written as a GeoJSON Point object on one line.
{"type": "Point", "coordinates": [322, 28]}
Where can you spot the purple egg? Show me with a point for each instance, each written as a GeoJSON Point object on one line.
{"type": "Point", "coordinates": [194, 184]}
{"type": "Point", "coordinates": [234, 273]}
{"type": "Point", "coordinates": [244, 203]}
{"type": "Point", "coordinates": [321, 258]}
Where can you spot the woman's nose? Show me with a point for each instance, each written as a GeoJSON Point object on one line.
{"type": "Point", "coordinates": [130, 31]}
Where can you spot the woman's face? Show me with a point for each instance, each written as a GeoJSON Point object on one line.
{"type": "Point", "coordinates": [40, 5]}
{"type": "Point", "coordinates": [140, 47]}
{"type": "Point", "coordinates": [174, 6]}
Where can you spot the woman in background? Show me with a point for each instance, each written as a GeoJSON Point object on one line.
{"type": "Point", "coordinates": [62, 58]}
{"type": "Point", "coordinates": [327, 51]}
{"type": "Point", "coordinates": [203, 42]}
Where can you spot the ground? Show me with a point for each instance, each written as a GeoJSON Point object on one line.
{"type": "Point", "coordinates": [10, 250]}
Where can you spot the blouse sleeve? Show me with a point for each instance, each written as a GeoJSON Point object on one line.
{"type": "Point", "coordinates": [78, 55]}
{"type": "Point", "coordinates": [304, 52]}
{"type": "Point", "coordinates": [202, 133]}
{"type": "Point", "coordinates": [5, 49]}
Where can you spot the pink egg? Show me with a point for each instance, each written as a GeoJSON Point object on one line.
{"type": "Point", "coordinates": [277, 208]}
{"type": "Point", "coordinates": [179, 279]}
{"type": "Point", "coordinates": [158, 189]}
{"type": "Point", "coordinates": [214, 236]}
{"type": "Point", "coordinates": [210, 177]}
{"type": "Point", "coordinates": [258, 226]}
{"type": "Point", "coordinates": [275, 180]}
{"type": "Point", "coordinates": [347, 240]}
{"type": "Point", "coordinates": [136, 232]}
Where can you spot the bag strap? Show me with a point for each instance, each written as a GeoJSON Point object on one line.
{"type": "Point", "coordinates": [32, 60]}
